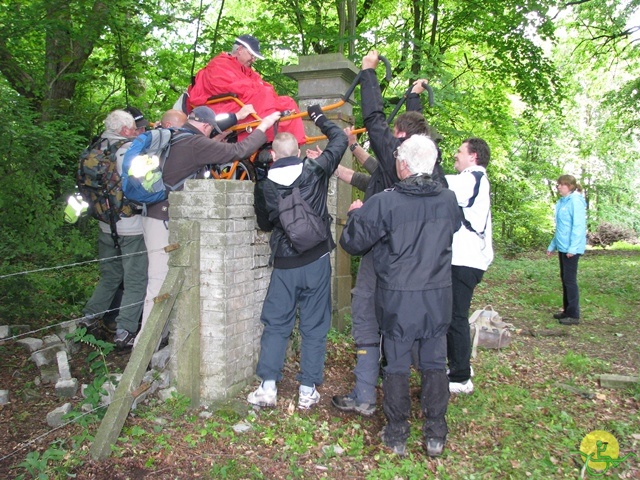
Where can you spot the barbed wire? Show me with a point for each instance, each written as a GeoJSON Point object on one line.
{"type": "Point", "coordinates": [77, 264]}
{"type": "Point", "coordinates": [75, 419]}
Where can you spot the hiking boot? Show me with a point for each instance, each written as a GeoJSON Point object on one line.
{"type": "Point", "coordinates": [569, 321]}
{"type": "Point", "coordinates": [435, 446]}
{"type": "Point", "coordinates": [91, 323]}
{"type": "Point", "coordinates": [263, 397]}
{"type": "Point", "coordinates": [306, 401]}
{"type": "Point", "coordinates": [559, 315]}
{"type": "Point", "coordinates": [398, 446]}
{"type": "Point", "coordinates": [109, 326]}
{"type": "Point", "coordinates": [124, 339]}
{"type": "Point", "coordinates": [347, 403]}
{"type": "Point", "coordinates": [461, 387]}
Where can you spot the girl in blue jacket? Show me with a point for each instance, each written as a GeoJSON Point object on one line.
{"type": "Point", "coordinates": [569, 240]}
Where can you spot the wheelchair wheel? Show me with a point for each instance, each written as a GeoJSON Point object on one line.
{"type": "Point", "coordinates": [238, 170]}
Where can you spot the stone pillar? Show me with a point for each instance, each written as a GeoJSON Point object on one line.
{"type": "Point", "coordinates": [233, 281]}
{"type": "Point", "coordinates": [323, 79]}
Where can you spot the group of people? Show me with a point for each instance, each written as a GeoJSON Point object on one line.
{"type": "Point", "coordinates": [425, 241]}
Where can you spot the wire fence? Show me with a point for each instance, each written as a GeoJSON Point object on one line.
{"type": "Point", "coordinates": [65, 324]}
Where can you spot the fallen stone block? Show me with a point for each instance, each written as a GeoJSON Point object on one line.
{"type": "Point", "coordinates": [160, 358]}
{"type": "Point", "coordinates": [51, 340]}
{"type": "Point", "coordinates": [31, 344]}
{"type": "Point", "coordinates": [47, 355]}
{"type": "Point", "coordinates": [110, 389]}
{"type": "Point", "coordinates": [63, 365]}
{"type": "Point", "coordinates": [4, 331]}
{"type": "Point", "coordinates": [163, 380]}
{"type": "Point", "coordinates": [66, 330]}
{"type": "Point", "coordinates": [66, 388]}
{"type": "Point", "coordinates": [49, 374]}
{"type": "Point", "coordinates": [617, 381]}
{"type": "Point", "coordinates": [4, 397]}
{"type": "Point", "coordinates": [54, 418]}
{"type": "Point", "coordinates": [166, 394]}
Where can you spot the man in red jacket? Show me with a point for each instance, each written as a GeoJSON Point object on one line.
{"type": "Point", "coordinates": [232, 73]}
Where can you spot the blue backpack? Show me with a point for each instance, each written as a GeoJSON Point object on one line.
{"type": "Point", "coordinates": [143, 163]}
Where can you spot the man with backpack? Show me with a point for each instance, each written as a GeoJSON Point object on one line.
{"type": "Point", "coordinates": [121, 246]}
{"type": "Point", "coordinates": [188, 157]}
{"type": "Point", "coordinates": [301, 276]}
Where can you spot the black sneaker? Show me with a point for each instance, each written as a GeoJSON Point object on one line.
{"type": "Point", "coordinates": [435, 446]}
{"type": "Point", "coordinates": [347, 403]}
{"type": "Point", "coordinates": [559, 315]}
{"type": "Point", "coordinates": [124, 339]}
{"type": "Point", "coordinates": [570, 321]}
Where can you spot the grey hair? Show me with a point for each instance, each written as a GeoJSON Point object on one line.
{"type": "Point", "coordinates": [420, 154]}
{"type": "Point", "coordinates": [285, 145]}
{"type": "Point", "coordinates": [234, 48]}
{"type": "Point", "coordinates": [117, 120]}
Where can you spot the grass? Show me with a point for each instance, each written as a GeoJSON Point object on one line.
{"type": "Point", "coordinates": [522, 421]}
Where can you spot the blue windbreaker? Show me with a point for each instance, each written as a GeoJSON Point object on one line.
{"type": "Point", "coordinates": [571, 225]}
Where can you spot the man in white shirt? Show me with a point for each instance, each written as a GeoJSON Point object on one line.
{"type": "Point", "coordinates": [472, 253]}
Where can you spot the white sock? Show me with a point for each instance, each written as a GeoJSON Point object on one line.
{"type": "Point", "coordinates": [269, 385]}
{"type": "Point", "coordinates": [304, 390]}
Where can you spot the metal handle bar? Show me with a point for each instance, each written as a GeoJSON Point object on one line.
{"type": "Point", "coordinates": [404, 98]}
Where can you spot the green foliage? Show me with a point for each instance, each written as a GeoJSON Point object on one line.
{"type": "Point", "coordinates": [36, 465]}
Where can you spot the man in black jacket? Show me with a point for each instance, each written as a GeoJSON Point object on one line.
{"type": "Point", "coordinates": [299, 279]}
{"type": "Point", "coordinates": [384, 142]}
{"type": "Point", "coordinates": [408, 230]}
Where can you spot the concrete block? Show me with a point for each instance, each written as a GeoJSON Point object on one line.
{"type": "Point", "coordinates": [54, 418]}
{"type": "Point", "coordinates": [47, 355]}
{"type": "Point", "coordinates": [4, 331]}
{"type": "Point", "coordinates": [160, 358]}
{"type": "Point", "coordinates": [4, 397]}
{"type": "Point", "coordinates": [65, 330]}
{"type": "Point", "coordinates": [31, 344]}
{"type": "Point", "coordinates": [67, 388]}
{"type": "Point", "coordinates": [166, 394]}
{"type": "Point", "coordinates": [49, 374]}
{"type": "Point", "coordinates": [617, 381]}
{"type": "Point", "coordinates": [63, 365]}
{"type": "Point", "coordinates": [51, 340]}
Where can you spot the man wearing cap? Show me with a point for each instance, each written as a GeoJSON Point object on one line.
{"type": "Point", "coordinates": [187, 156]}
{"type": "Point", "coordinates": [141, 122]}
{"type": "Point", "coordinates": [232, 73]}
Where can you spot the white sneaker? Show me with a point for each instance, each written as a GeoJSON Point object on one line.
{"type": "Point", "coordinates": [263, 397]}
{"type": "Point", "coordinates": [307, 401]}
{"type": "Point", "coordinates": [462, 387]}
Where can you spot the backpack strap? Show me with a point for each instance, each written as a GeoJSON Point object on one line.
{"type": "Point", "coordinates": [112, 149]}
{"type": "Point", "coordinates": [176, 136]}
{"type": "Point", "coordinates": [476, 189]}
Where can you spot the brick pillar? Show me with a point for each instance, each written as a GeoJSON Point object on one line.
{"type": "Point", "coordinates": [323, 79]}
{"type": "Point", "coordinates": [233, 281]}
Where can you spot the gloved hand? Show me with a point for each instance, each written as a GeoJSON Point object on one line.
{"type": "Point", "coordinates": [315, 114]}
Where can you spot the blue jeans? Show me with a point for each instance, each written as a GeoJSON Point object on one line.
{"type": "Point", "coordinates": [464, 281]}
{"type": "Point", "coordinates": [569, 276]}
{"type": "Point", "coordinates": [309, 288]}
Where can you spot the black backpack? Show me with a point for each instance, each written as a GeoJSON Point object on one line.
{"type": "Point", "coordinates": [303, 227]}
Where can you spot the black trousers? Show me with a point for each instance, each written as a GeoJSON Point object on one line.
{"type": "Point", "coordinates": [569, 276]}
{"type": "Point", "coordinates": [464, 281]}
